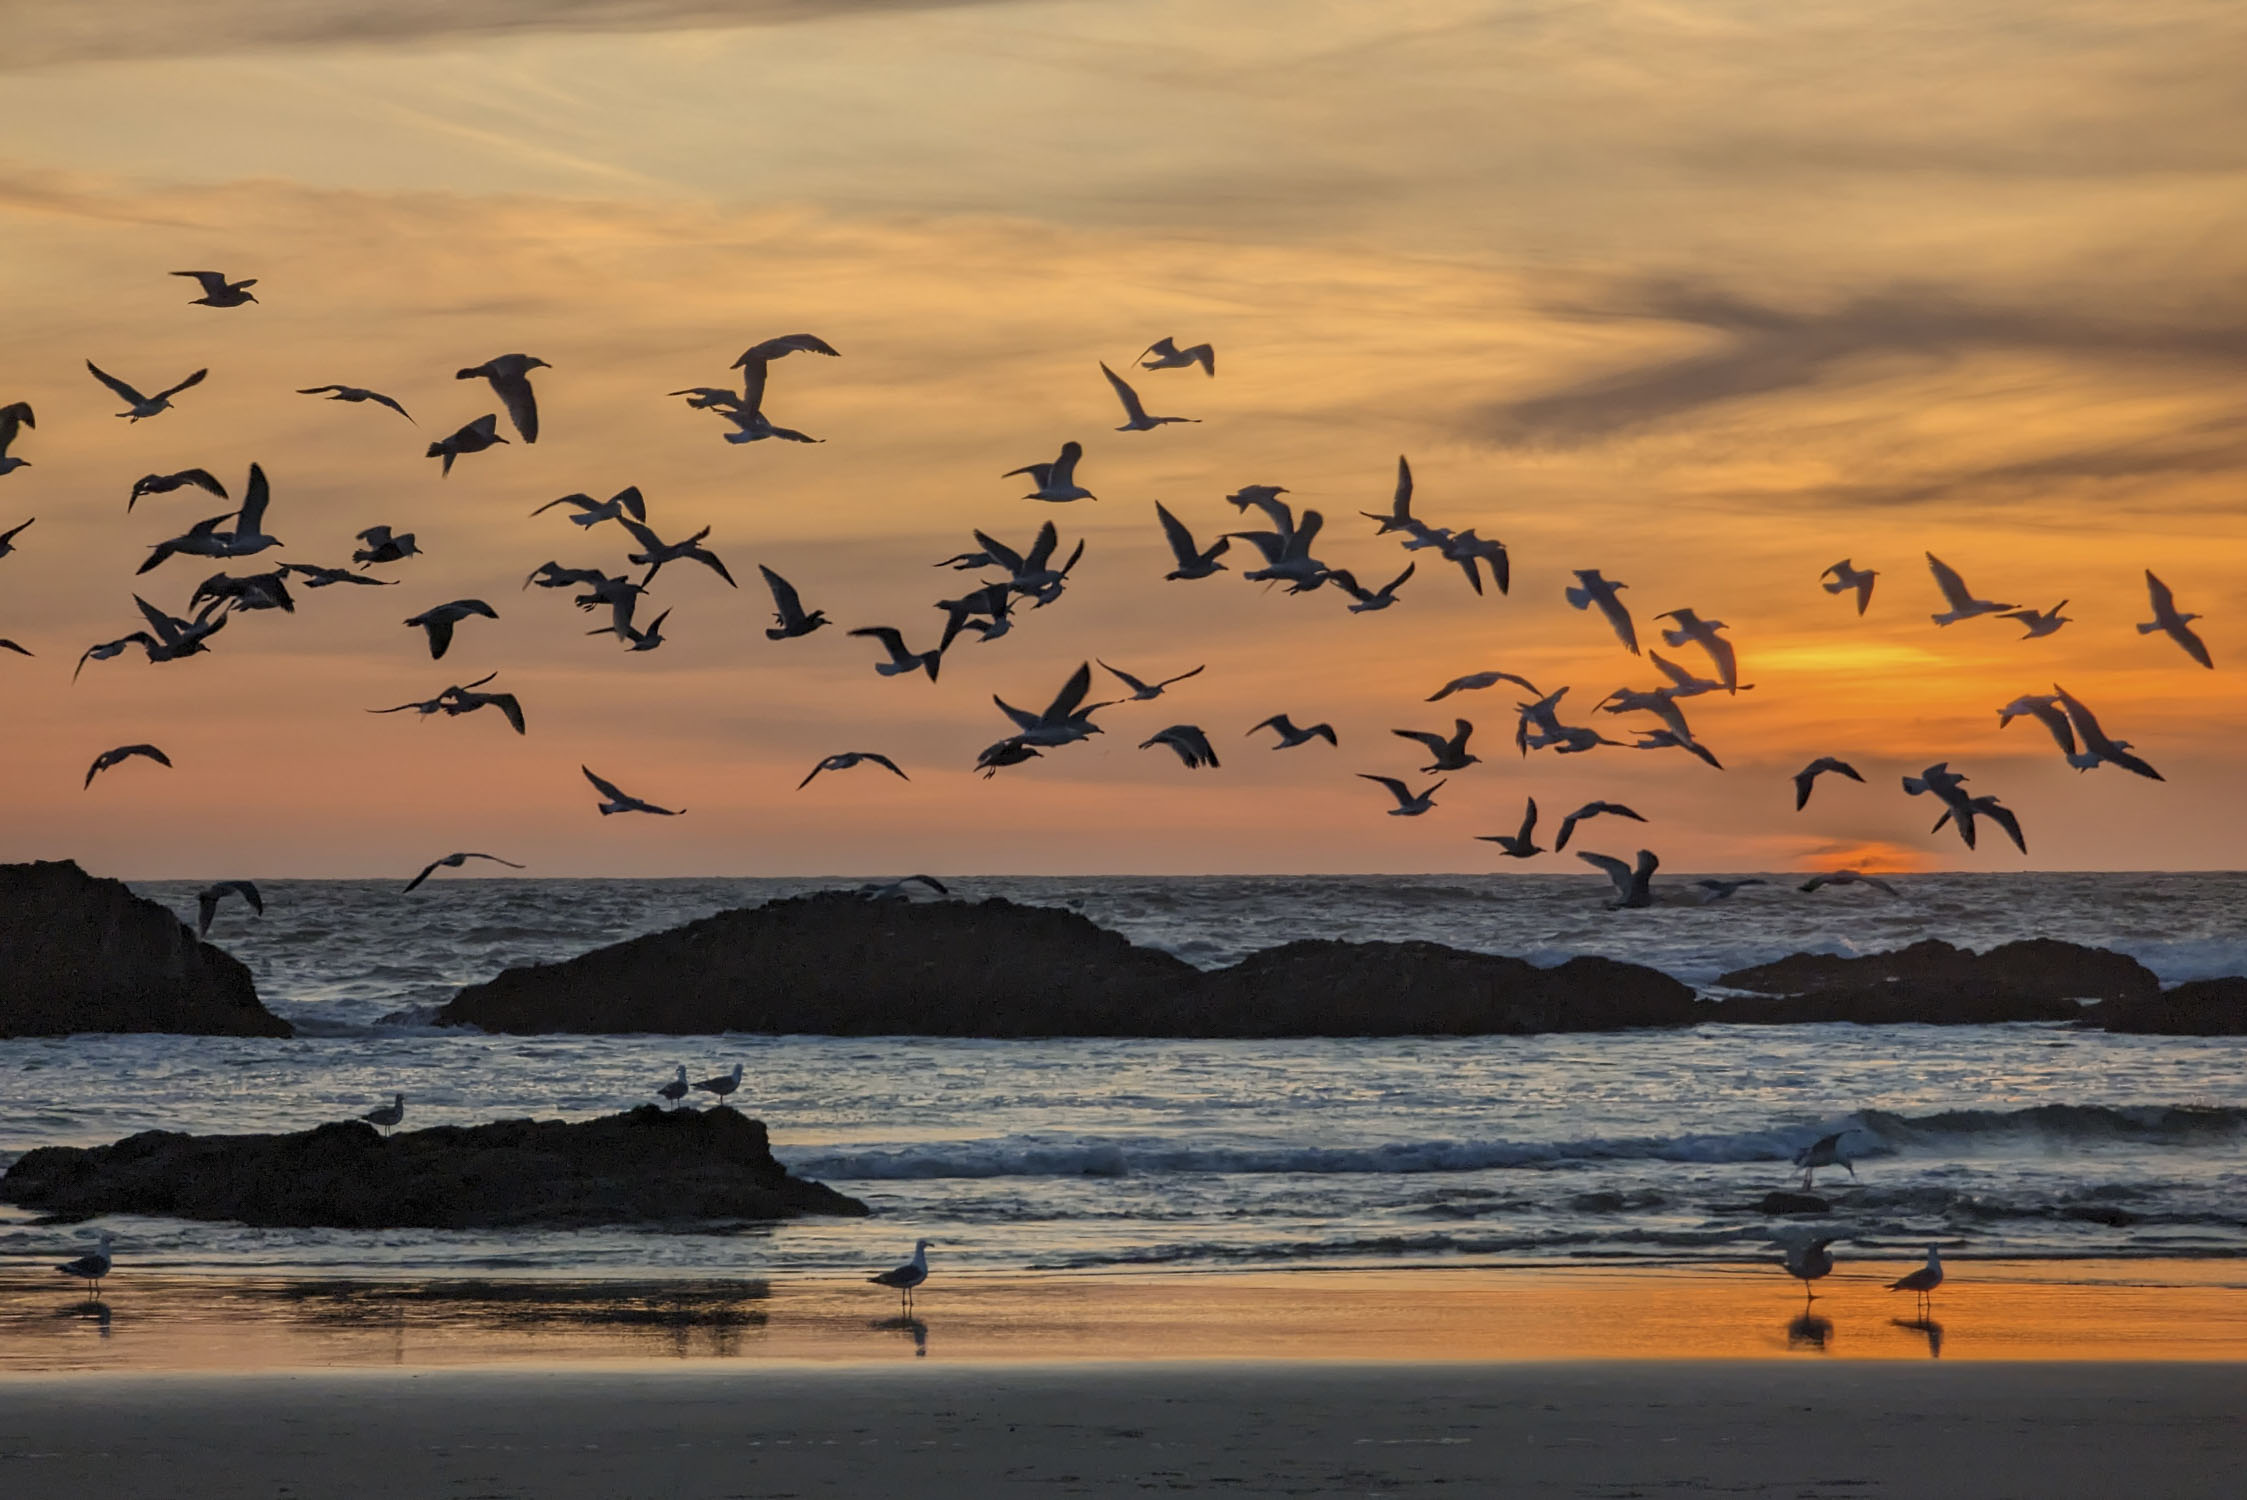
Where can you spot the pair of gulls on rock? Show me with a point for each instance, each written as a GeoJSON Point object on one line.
{"type": "Point", "coordinates": [678, 1088]}
{"type": "Point", "coordinates": [745, 408]}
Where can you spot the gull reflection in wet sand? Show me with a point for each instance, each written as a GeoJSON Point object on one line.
{"type": "Point", "coordinates": [1810, 1332]}
{"type": "Point", "coordinates": [913, 1328]}
{"type": "Point", "coordinates": [1926, 1326]}
{"type": "Point", "coordinates": [92, 1310]}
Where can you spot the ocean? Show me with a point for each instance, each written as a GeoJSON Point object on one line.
{"type": "Point", "coordinates": [2026, 1141]}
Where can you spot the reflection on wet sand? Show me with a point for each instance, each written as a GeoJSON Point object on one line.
{"type": "Point", "coordinates": [1929, 1328]}
{"type": "Point", "coordinates": [1810, 1332]}
{"type": "Point", "coordinates": [913, 1328]}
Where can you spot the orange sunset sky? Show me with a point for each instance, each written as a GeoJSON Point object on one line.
{"type": "Point", "coordinates": [1706, 294]}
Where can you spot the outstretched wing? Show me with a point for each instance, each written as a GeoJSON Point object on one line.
{"type": "Point", "coordinates": [784, 597]}
{"type": "Point", "coordinates": [194, 379]}
{"type": "Point", "coordinates": [124, 392]}
{"type": "Point", "coordinates": [1072, 693]}
{"type": "Point", "coordinates": [1181, 540]}
{"type": "Point", "coordinates": [1133, 411]}
{"type": "Point", "coordinates": [608, 789]}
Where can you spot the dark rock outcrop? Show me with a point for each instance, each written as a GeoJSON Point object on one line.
{"type": "Point", "coordinates": [647, 1166]}
{"type": "Point", "coordinates": [2199, 1007]}
{"type": "Point", "coordinates": [79, 953]}
{"type": "Point", "coordinates": [836, 965]}
{"type": "Point", "coordinates": [2041, 979]}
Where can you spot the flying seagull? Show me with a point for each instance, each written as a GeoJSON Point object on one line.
{"type": "Point", "coordinates": [14, 417]}
{"type": "Point", "coordinates": [8, 537]}
{"type": "Point", "coordinates": [902, 659]}
{"type": "Point", "coordinates": [1602, 592]}
{"type": "Point", "coordinates": [622, 802]}
{"type": "Point", "coordinates": [1847, 877]}
{"type": "Point", "coordinates": [1590, 810]}
{"type": "Point", "coordinates": [1168, 356]}
{"type": "Point", "coordinates": [1142, 692]}
{"type": "Point", "coordinates": [1634, 884]}
{"type": "Point", "coordinates": [1450, 753]}
{"type": "Point", "coordinates": [1410, 804]}
{"type": "Point", "coordinates": [1188, 740]}
{"type": "Point", "coordinates": [788, 609]}
{"type": "Point", "coordinates": [1996, 811]}
{"type": "Point", "coordinates": [1290, 735]}
{"type": "Point", "coordinates": [2178, 627]}
{"type": "Point", "coordinates": [355, 393]}
{"type": "Point", "coordinates": [384, 546]}
{"type": "Point", "coordinates": [1399, 515]}
{"type": "Point", "coordinates": [1056, 481]}
{"type": "Point", "coordinates": [142, 406]}
{"type": "Point", "coordinates": [1369, 600]}
{"type": "Point", "coordinates": [120, 755]}
{"type": "Point", "coordinates": [1724, 890]}
{"type": "Point", "coordinates": [1474, 681]}
{"type": "Point", "coordinates": [208, 898]}
{"type": "Point", "coordinates": [757, 360]}
{"type": "Point", "coordinates": [2039, 623]}
{"type": "Point", "coordinates": [1519, 845]}
{"type": "Point", "coordinates": [317, 577]}
{"type": "Point", "coordinates": [1193, 560]}
{"type": "Point", "coordinates": [454, 862]}
{"type": "Point", "coordinates": [218, 291]}
{"type": "Point", "coordinates": [1691, 627]}
{"type": "Point", "coordinates": [2097, 743]}
{"type": "Point", "coordinates": [439, 622]}
{"type": "Point", "coordinates": [474, 438]}
{"type": "Point", "coordinates": [164, 484]}
{"type": "Point", "coordinates": [1466, 549]}
{"type": "Point", "coordinates": [1963, 604]}
{"type": "Point", "coordinates": [2045, 709]}
{"type": "Point", "coordinates": [591, 512]}
{"type": "Point", "coordinates": [1807, 777]}
{"type": "Point", "coordinates": [1842, 578]}
{"type": "Point", "coordinates": [849, 758]}
{"type": "Point", "coordinates": [510, 377]}
{"type": "Point", "coordinates": [1067, 719]}
{"type": "Point", "coordinates": [655, 551]}
{"type": "Point", "coordinates": [1135, 415]}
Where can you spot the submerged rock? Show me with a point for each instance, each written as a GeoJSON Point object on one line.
{"type": "Point", "coordinates": [80, 954]}
{"type": "Point", "coordinates": [1931, 981]}
{"type": "Point", "coordinates": [2198, 1007]}
{"type": "Point", "coordinates": [648, 1166]}
{"type": "Point", "coordinates": [836, 965]}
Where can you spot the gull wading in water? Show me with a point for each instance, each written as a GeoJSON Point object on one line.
{"type": "Point", "coordinates": [1841, 578]}
{"type": "Point", "coordinates": [2167, 620]}
{"type": "Point", "coordinates": [907, 1276]}
{"type": "Point", "coordinates": [1963, 604]}
{"type": "Point", "coordinates": [454, 862]}
{"type": "Point", "coordinates": [1410, 804]}
{"type": "Point", "coordinates": [1634, 884]}
{"type": "Point", "coordinates": [677, 1088]}
{"type": "Point", "coordinates": [139, 406]}
{"type": "Point", "coordinates": [218, 291]}
{"type": "Point", "coordinates": [1290, 735]}
{"type": "Point", "coordinates": [619, 801]}
{"type": "Point", "coordinates": [208, 898]}
{"type": "Point", "coordinates": [95, 1264]}
{"type": "Point", "coordinates": [848, 758]}
{"type": "Point", "coordinates": [510, 378]}
{"type": "Point", "coordinates": [1807, 777]}
{"type": "Point", "coordinates": [1056, 481]}
{"type": "Point", "coordinates": [723, 1084]}
{"type": "Point", "coordinates": [1825, 1151]}
{"type": "Point", "coordinates": [387, 1115]}
{"type": "Point", "coordinates": [1135, 414]}
{"type": "Point", "coordinates": [1521, 845]}
{"type": "Point", "coordinates": [355, 394]}
{"type": "Point", "coordinates": [1164, 354]}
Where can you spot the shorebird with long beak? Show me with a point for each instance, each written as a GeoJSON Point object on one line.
{"type": "Point", "coordinates": [1191, 743]}
{"type": "Point", "coordinates": [848, 758]}
{"type": "Point", "coordinates": [217, 290]}
{"type": "Point", "coordinates": [120, 755]}
{"type": "Point", "coordinates": [788, 610]}
{"type": "Point", "coordinates": [1521, 844]}
{"type": "Point", "coordinates": [1807, 777]}
{"type": "Point", "coordinates": [2167, 620]}
{"type": "Point", "coordinates": [14, 418]}
{"type": "Point", "coordinates": [455, 862]}
{"type": "Point", "coordinates": [356, 394]}
{"type": "Point", "coordinates": [1841, 578]}
{"type": "Point", "coordinates": [1056, 481]}
{"type": "Point", "coordinates": [164, 484]}
{"type": "Point", "coordinates": [1135, 414]}
{"type": "Point", "coordinates": [138, 406]}
{"type": "Point", "coordinates": [1369, 600]}
{"type": "Point", "coordinates": [208, 898]}
{"type": "Point", "coordinates": [591, 512]}
{"type": "Point", "coordinates": [474, 438]}
{"type": "Point", "coordinates": [1194, 561]}
{"type": "Point", "coordinates": [510, 378]}
{"type": "Point", "coordinates": [1960, 598]}
{"type": "Point", "coordinates": [1164, 354]}
{"type": "Point", "coordinates": [1703, 633]}
{"type": "Point", "coordinates": [903, 660]}
{"type": "Point", "coordinates": [1587, 811]}
{"type": "Point", "coordinates": [619, 801]}
{"type": "Point", "coordinates": [1410, 804]}
{"type": "Point", "coordinates": [1450, 751]}
{"type": "Point", "coordinates": [1634, 884]}
{"type": "Point", "coordinates": [1144, 692]}
{"type": "Point", "coordinates": [1290, 735]}
{"type": "Point", "coordinates": [1593, 589]}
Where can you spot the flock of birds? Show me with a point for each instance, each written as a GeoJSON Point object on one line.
{"type": "Point", "coordinates": [1014, 581]}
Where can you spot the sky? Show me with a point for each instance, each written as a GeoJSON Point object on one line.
{"type": "Point", "coordinates": [1704, 295]}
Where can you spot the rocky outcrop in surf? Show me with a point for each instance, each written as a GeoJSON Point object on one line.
{"type": "Point", "coordinates": [837, 965]}
{"type": "Point", "coordinates": [647, 1166]}
{"type": "Point", "coordinates": [80, 954]}
{"type": "Point", "coordinates": [2040, 979]}
{"type": "Point", "coordinates": [2198, 1007]}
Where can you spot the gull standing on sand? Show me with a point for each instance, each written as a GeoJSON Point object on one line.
{"type": "Point", "coordinates": [1590, 810]}
{"type": "Point", "coordinates": [907, 1276]}
{"type": "Point", "coordinates": [1808, 1262]}
{"type": "Point", "coordinates": [1410, 804]}
{"type": "Point", "coordinates": [1594, 589]}
{"type": "Point", "coordinates": [677, 1088]}
{"type": "Point", "coordinates": [619, 801]}
{"type": "Point", "coordinates": [94, 1264]}
{"type": "Point", "coordinates": [1825, 1151]}
{"type": "Point", "coordinates": [1808, 776]}
{"type": "Point", "coordinates": [1168, 356]}
{"type": "Point", "coordinates": [1290, 735]}
{"type": "Point", "coordinates": [510, 377]}
{"type": "Point", "coordinates": [1521, 845]}
{"type": "Point", "coordinates": [208, 898]}
{"type": "Point", "coordinates": [723, 1084]}
{"type": "Point", "coordinates": [1634, 884]}
{"type": "Point", "coordinates": [218, 291]}
{"type": "Point", "coordinates": [1188, 740]}
{"type": "Point", "coordinates": [1844, 578]}
{"type": "Point", "coordinates": [1135, 415]}
{"type": "Point", "coordinates": [120, 755]}
{"type": "Point", "coordinates": [1193, 560]}
{"type": "Point", "coordinates": [1922, 1282]}
{"type": "Point", "coordinates": [848, 758]}
{"type": "Point", "coordinates": [14, 417]}
{"type": "Point", "coordinates": [355, 394]}
{"type": "Point", "coordinates": [1846, 877]}
{"type": "Point", "coordinates": [1142, 692]}
{"type": "Point", "coordinates": [474, 438]}
{"type": "Point", "coordinates": [2166, 619]}
{"type": "Point", "coordinates": [1056, 481]}
{"type": "Point", "coordinates": [387, 1115]}
{"type": "Point", "coordinates": [455, 862]}
{"type": "Point", "coordinates": [1963, 604]}
{"type": "Point", "coordinates": [142, 406]}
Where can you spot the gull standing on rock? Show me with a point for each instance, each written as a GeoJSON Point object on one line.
{"type": "Point", "coordinates": [1602, 592]}
{"type": "Point", "coordinates": [218, 291]}
{"type": "Point", "coordinates": [120, 755]}
{"type": "Point", "coordinates": [1410, 804]}
{"type": "Point", "coordinates": [1843, 578]}
{"type": "Point", "coordinates": [723, 1084]}
{"type": "Point", "coordinates": [142, 406]}
{"type": "Point", "coordinates": [355, 394]}
{"type": "Point", "coordinates": [1168, 356]}
{"type": "Point", "coordinates": [1135, 415]}
{"type": "Point", "coordinates": [1634, 884]}
{"type": "Point", "coordinates": [1056, 481]}
{"type": "Point", "coordinates": [1193, 561]}
{"type": "Point", "coordinates": [208, 898]}
{"type": "Point", "coordinates": [1521, 845]}
{"type": "Point", "coordinates": [1189, 741]}
{"type": "Point", "coordinates": [474, 438]}
{"type": "Point", "coordinates": [1808, 776]}
{"type": "Point", "coordinates": [619, 801]}
{"type": "Point", "coordinates": [1963, 604]}
{"type": "Point", "coordinates": [14, 418]}
{"type": "Point", "coordinates": [2166, 619]}
{"type": "Point", "coordinates": [455, 862]}
{"type": "Point", "coordinates": [387, 1115]}
{"type": "Point", "coordinates": [677, 1088]}
{"type": "Point", "coordinates": [510, 377]}
{"type": "Point", "coordinates": [848, 758]}
{"type": "Point", "coordinates": [1290, 736]}
{"type": "Point", "coordinates": [1590, 810]}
